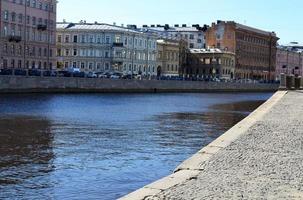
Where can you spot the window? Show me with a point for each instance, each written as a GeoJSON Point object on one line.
{"type": "Point", "coordinates": [75, 39]}
{"type": "Point", "coordinates": [75, 52]}
{"type": "Point", "coordinates": [83, 38]}
{"type": "Point", "coordinates": [82, 65]}
{"type": "Point", "coordinates": [98, 66]}
{"type": "Point", "coordinates": [59, 52]}
{"type": "Point", "coordinates": [67, 39]}
{"type": "Point", "coordinates": [59, 38]}
{"type": "Point", "coordinates": [13, 16]}
{"type": "Point", "coordinates": [20, 18]}
{"type": "Point", "coordinates": [106, 66]}
{"type": "Point", "coordinates": [34, 21]}
{"type": "Point", "coordinates": [28, 19]}
{"type": "Point", "coordinates": [191, 45]}
{"type": "Point", "coordinates": [66, 52]}
{"type": "Point", "coordinates": [107, 39]}
{"type": "Point", "coordinates": [6, 15]}
{"type": "Point", "coordinates": [191, 36]}
{"type": "Point", "coordinates": [106, 54]}
{"type": "Point", "coordinates": [91, 39]}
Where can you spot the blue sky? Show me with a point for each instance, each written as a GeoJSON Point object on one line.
{"type": "Point", "coordinates": [282, 16]}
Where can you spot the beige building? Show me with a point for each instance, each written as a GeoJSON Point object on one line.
{"type": "Point", "coordinates": [168, 60]}
{"type": "Point", "coordinates": [209, 64]}
{"type": "Point", "coordinates": [27, 38]}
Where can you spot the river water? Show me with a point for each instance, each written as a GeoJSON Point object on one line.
{"type": "Point", "coordinates": [103, 146]}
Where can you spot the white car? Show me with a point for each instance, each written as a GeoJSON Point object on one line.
{"type": "Point", "coordinates": [114, 76]}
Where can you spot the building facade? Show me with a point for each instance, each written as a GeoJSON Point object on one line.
{"type": "Point", "coordinates": [103, 48]}
{"type": "Point", "coordinates": [255, 49]}
{"type": "Point", "coordinates": [27, 38]}
{"type": "Point", "coordinates": [194, 35]}
{"type": "Point", "coordinates": [210, 64]}
{"type": "Point", "coordinates": [289, 61]}
{"type": "Point", "coordinates": [168, 60]}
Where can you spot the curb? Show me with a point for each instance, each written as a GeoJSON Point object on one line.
{"type": "Point", "coordinates": [190, 168]}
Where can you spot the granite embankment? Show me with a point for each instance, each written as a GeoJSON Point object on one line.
{"type": "Point", "coordinates": [13, 84]}
{"type": "Point", "coordinates": [259, 158]}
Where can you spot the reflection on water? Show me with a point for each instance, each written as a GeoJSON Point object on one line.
{"type": "Point", "coordinates": [26, 154]}
{"type": "Point", "coordinates": [104, 146]}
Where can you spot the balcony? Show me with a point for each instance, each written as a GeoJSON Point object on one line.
{"type": "Point", "coordinates": [14, 38]}
{"type": "Point", "coordinates": [42, 27]}
{"type": "Point", "coordinates": [118, 44]}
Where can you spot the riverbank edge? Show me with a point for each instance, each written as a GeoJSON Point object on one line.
{"type": "Point", "coordinates": [191, 167]}
{"type": "Point", "coordinates": [129, 91]}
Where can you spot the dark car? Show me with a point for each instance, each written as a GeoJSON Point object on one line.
{"type": "Point", "coordinates": [79, 74]}
{"type": "Point", "coordinates": [34, 72]}
{"type": "Point", "coordinates": [64, 74]}
{"type": "Point", "coordinates": [50, 73]}
{"type": "Point", "coordinates": [6, 72]}
{"type": "Point", "coordinates": [127, 76]}
{"type": "Point", "coordinates": [20, 72]}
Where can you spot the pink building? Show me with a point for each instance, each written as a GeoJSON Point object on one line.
{"type": "Point", "coordinates": [27, 38]}
{"type": "Point", "coordinates": [289, 61]}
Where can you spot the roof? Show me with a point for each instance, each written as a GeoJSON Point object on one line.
{"type": "Point", "coordinates": [241, 26]}
{"type": "Point", "coordinates": [216, 51]}
{"type": "Point", "coordinates": [173, 29]}
{"type": "Point", "coordinates": [169, 42]}
{"type": "Point", "coordinates": [95, 26]}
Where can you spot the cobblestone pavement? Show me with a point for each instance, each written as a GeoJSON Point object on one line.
{"type": "Point", "coordinates": [264, 163]}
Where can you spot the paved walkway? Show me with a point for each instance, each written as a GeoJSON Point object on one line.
{"type": "Point", "coordinates": [265, 162]}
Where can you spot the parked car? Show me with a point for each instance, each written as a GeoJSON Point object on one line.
{"type": "Point", "coordinates": [50, 73]}
{"type": "Point", "coordinates": [102, 76]}
{"type": "Point", "coordinates": [127, 76]}
{"type": "Point", "coordinates": [6, 72]}
{"type": "Point", "coordinates": [79, 74]}
{"type": "Point", "coordinates": [20, 72]}
{"type": "Point", "coordinates": [34, 72]}
{"type": "Point", "coordinates": [92, 75]}
{"type": "Point", "coordinates": [73, 70]}
{"type": "Point", "coordinates": [114, 76]}
{"type": "Point", "coordinates": [64, 74]}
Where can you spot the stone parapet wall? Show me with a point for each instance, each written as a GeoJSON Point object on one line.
{"type": "Point", "coordinates": [13, 84]}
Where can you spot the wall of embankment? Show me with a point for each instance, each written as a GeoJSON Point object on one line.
{"type": "Point", "coordinates": [19, 84]}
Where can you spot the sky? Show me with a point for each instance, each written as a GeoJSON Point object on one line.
{"type": "Point", "coordinates": [282, 16]}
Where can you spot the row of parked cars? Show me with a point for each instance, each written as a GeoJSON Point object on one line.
{"type": "Point", "coordinates": [61, 73]}
{"type": "Point", "coordinates": [115, 75]}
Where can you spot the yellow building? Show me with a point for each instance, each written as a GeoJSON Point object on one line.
{"type": "Point", "coordinates": [168, 61]}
